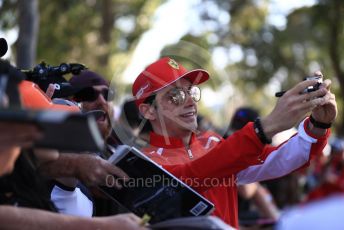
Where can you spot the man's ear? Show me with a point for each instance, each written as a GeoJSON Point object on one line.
{"type": "Point", "coordinates": [147, 111]}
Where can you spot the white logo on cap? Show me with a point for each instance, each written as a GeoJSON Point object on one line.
{"type": "Point", "coordinates": [141, 90]}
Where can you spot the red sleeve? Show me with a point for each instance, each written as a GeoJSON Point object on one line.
{"type": "Point", "coordinates": [237, 152]}
{"type": "Point", "coordinates": [316, 149]}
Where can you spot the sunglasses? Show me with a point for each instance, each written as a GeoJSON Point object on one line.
{"type": "Point", "coordinates": [177, 95]}
{"type": "Point", "coordinates": [90, 94]}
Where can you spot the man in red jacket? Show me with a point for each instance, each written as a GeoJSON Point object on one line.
{"type": "Point", "coordinates": [166, 95]}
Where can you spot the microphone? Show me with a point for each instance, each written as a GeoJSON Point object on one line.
{"type": "Point", "coordinates": [3, 47]}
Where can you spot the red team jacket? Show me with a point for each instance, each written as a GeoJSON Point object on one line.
{"type": "Point", "coordinates": [214, 166]}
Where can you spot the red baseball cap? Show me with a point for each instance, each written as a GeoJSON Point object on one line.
{"type": "Point", "coordinates": [162, 73]}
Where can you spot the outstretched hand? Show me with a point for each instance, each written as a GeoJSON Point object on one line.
{"type": "Point", "coordinates": [326, 112]}
{"type": "Point", "coordinates": [88, 168]}
{"type": "Point", "coordinates": [294, 106]}
{"type": "Point", "coordinates": [93, 170]}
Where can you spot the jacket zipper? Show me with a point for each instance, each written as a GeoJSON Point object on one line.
{"type": "Point", "coordinates": [189, 152]}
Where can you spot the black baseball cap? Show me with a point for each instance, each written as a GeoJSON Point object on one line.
{"type": "Point", "coordinates": [87, 78]}
{"type": "Point", "coordinates": [85, 81]}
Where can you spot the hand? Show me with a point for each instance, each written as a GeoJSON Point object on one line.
{"type": "Point", "coordinates": [121, 221]}
{"type": "Point", "coordinates": [88, 168]}
{"type": "Point", "coordinates": [46, 155]}
{"type": "Point", "coordinates": [326, 112]}
{"type": "Point", "coordinates": [8, 158]}
{"type": "Point", "coordinates": [292, 107]}
{"type": "Point", "coordinates": [93, 170]}
{"type": "Point", "coordinates": [18, 135]}
{"type": "Point", "coordinates": [13, 137]}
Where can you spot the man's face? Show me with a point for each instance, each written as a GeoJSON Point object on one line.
{"type": "Point", "coordinates": [100, 103]}
{"type": "Point", "coordinates": [173, 115]}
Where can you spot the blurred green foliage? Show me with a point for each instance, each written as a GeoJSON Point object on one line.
{"type": "Point", "coordinates": [311, 40]}
{"type": "Point", "coordinates": [91, 32]}
{"type": "Point", "coordinates": [103, 35]}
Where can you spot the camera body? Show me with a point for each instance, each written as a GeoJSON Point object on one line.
{"type": "Point", "coordinates": [318, 76]}
{"type": "Point", "coordinates": [43, 75]}
{"type": "Point", "coordinates": [43, 71]}
{"type": "Point", "coordinates": [313, 87]}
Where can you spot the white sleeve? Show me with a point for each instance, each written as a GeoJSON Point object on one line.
{"type": "Point", "coordinates": [71, 202]}
{"type": "Point", "coordinates": [291, 155]}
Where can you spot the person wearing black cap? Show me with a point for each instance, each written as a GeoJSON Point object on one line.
{"type": "Point", "coordinates": [94, 94]}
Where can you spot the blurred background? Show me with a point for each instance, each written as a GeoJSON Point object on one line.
{"type": "Point", "coordinates": [252, 48]}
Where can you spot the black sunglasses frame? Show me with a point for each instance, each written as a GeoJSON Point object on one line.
{"type": "Point", "coordinates": [90, 94]}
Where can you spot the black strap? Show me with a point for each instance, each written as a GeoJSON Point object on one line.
{"type": "Point", "coordinates": [260, 132]}
{"type": "Point", "coordinates": [319, 124]}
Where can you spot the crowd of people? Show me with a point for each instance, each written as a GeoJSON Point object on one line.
{"type": "Point", "coordinates": [41, 188]}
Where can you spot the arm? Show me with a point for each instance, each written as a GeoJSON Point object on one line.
{"type": "Point", "coordinates": [90, 169]}
{"type": "Point", "coordinates": [237, 152]}
{"type": "Point", "coordinates": [247, 191]}
{"type": "Point", "coordinates": [261, 197]}
{"type": "Point", "coordinates": [264, 202]}
{"type": "Point", "coordinates": [244, 149]}
{"type": "Point", "coordinates": [285, 158]}
{"type": "Point", "coordinates": [17, 218]}
{"type": "Point", "coordinates": [298, 150]}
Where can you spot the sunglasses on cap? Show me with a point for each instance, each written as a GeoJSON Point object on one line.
{"type": "Point", "coordinates": [177, 95]}
{"type": "Point", "coordinates": [90, 94]}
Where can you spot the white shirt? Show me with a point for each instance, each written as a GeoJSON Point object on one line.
{"type": "Point", "coordinates": [71, 202]}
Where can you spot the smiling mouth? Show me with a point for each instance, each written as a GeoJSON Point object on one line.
{"type": "Point", "coordinates": [187, 115]}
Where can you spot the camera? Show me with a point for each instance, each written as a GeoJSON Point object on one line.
{"type": "Point", "coordinates": [43, 75]}
{"type": "Point", "coordinates": [43, 71]}
{"type": "Point", "coordinates": [318, 76]}
{"type": "Point", "coordinates": [313, 87]}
